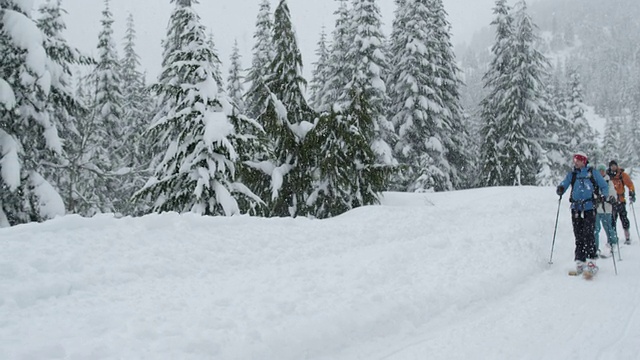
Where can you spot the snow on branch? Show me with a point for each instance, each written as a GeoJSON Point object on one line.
{"type": "Point", "coordinates": [9, 162]}
{"type": "Point", "coordinates": [7, 96]}
{"type": "Point", "coordinates": [24, 33]}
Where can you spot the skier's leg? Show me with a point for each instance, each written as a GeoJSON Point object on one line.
{"type": "Point", "coordinates": [578, 229]}
{"type": "Point", "coordinates": [589, 239]}
{"type": "Point", "coordinates": [625, 221]}
{"type": "Point", "coordinates": [599, 219]}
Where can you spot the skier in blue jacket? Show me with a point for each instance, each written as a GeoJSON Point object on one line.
{"type": "Point", "coordinates": [584, 182]}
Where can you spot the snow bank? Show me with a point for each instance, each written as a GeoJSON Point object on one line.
{"type": "Point", "coordinates": [454, 275]}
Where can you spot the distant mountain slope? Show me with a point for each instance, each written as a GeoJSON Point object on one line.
{"type": "Point", "coordinates": [600, 38]}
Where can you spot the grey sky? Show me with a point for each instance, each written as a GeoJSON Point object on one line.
{"type": "Point", "coordinates": [235, 19]}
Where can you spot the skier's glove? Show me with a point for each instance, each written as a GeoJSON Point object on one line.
{"type": "Point", "coordinates": [632, 196]}
{"type": "Point", "coordinates": [560, 190]}
{"type": "Point", "coordinates": [612, 199]}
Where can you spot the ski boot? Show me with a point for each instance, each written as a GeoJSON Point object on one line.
{"type": "Point", "coordinates": [590, 270]}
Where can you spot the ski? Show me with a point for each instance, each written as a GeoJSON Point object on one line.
{"type": "Point", "coordinates": [588, 275]}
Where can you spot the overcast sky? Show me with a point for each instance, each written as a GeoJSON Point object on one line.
{"type": "Point", "coordinates": [235, 19]}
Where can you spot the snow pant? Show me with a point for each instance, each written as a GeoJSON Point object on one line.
{"type": "Point", "coordinates": [620, 209]}
{"type": "Point", "coordinates": [584, 223]}
{"type": "Point", "coordinates": [604, 220]}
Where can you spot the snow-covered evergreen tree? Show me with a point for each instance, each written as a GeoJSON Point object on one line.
{"type": "Point", "coordinates": [28, 136]}
{"type": "Point", "coordinates": [527, 111]}
{"type": "Point", "coordinates": [132, 79]}
{"type": "Point", "coordinates": [196, 126]}
{"type": "Point", "coordinates": [108, 118]}
{"type": "Point", "coordinates": [287, 119]}
{"type": "Point", "coordinates": [426, 104]}
{"type": "Point", "coordinates": [367, 64]}
{"type": "Point", "coordinates": [455, 134]}
{"type": "Point", "coordinates": [417, 104]}
{"type": "Point", "coordinates": [491, 170]}
{"type": "Point", "coordinates": [262, 56]}
{"type": "Point", "coordinates": [218, 64]}
{"type": "Point", "coordinates": [335, 86]}
{"type": "Point", "coordinates": [252, 146]}
{"type": "Point", "coordinates": [583, 137]}
{"type": "Point", "coordinates": [632, 143]}
{"type": "Point", "coordinates": [67, 111]}
{"type": "Point", "coordinates": [356, 126]}
{"type": "Point", "coordinates": [396, 48]}
{"type": "Point", "coordinates": [320, 74]}
{"type": "Point", "coordinates": [554, 158]}
{"type": "Point", "coordinates": [137, 109]}
{"type": "Point", "coordinates": [613, 139]}
{"type": "Point", "coordinates": [348, 176]}
{"type": "Point", "coordinates": [517, 107]}
{"type": "Point", "coordinates": [235, 80]}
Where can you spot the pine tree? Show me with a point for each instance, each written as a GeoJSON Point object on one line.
{"type": "Point", "coordinates": [28, 136]}
{"type": "Point", "coordinates": [416, 104]}
{"type": "Point", "coordinates": [235, 87]}
{"type": "Point", "coordinates": [349, 175]}
{"type": "Point", "coordinates": [132, 80]}
{"type": "Point", "coordinates": [367, 65]}
{"type": "Point", "coordinates": [261, 59]}
{"type": "Point", "coordinates": [335, 86]}
{"type": "Point", "coordinates": [516, 112]}
{"type": "Point", "coordinates": [492, 172]}
{"type": "Point", "coordinates": [558, 132]}
{"type": "Point", "coordinates": [287, 120]}
{"type": "Point", "coordinates": [108, 118]}
{"type": "Point", "coordinates": [196, 126]}
{"type": "Point", "coordinates": [252, 146]}
{"type": "Point", "coordinates": [527, 111]}
{"type": "Point", "coordinates": [320, 73]}
{"type": "Point", "coordinates": [451, 120]}
{"type": "Point", "coordinates": [137, 109]}
{"type": "Point", "coordinates": [66, 109]}
{"type": "Point", "coordinates": [632, 144]}
{"type": "Point", "coordinates": [425, 100]}
{"type": "Point", "coordinates": [613, 138]}
{"type": "Point", "coordinates": [217, 65]}
{"type": "Point", "coordinates": [583, 137]}
{"type": "Point", "coordinates": [396, 50]}
{"type": "Point", "coordinates": [356, 126]}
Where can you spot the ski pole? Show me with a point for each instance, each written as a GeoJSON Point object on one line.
{"type": "Point", "coordinates": [619, 256]}
{"type": "Point", "coordinates": [613, 256]}
{"type": "Point", "coordinates": [635, 220]}
{"type": "Point", "coordinates": [553, 243]}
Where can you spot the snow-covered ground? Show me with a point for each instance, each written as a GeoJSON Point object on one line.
{"type": "Point", "coordinates": [458, 275]}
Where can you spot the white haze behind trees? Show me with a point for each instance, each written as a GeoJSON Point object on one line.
{"type": "Point", "coordinates": [231, 20]}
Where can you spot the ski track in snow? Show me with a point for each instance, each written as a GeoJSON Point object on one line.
{"type": "Point", "coordinates": [455, 275]}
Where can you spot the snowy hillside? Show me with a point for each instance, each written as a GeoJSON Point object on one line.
{"type": "Point", "coordinates": [597, 122]}
{"type": "Point", "coordinates": [458, 275]}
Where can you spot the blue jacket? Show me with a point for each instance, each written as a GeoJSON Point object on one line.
{"type": "Point", "coordinates": [582, 197]}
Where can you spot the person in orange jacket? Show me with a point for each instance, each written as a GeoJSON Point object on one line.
{"type": "Point", "coordinates": [621, 179]}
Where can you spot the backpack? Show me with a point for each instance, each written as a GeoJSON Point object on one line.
{"type": "Point", "coordinates": [611, 176]}
{"type": "Point", "coordinates": [596, 189]}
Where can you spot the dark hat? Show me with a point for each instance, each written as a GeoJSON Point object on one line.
{"type": "Point", "coordinates": [613, 162]}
